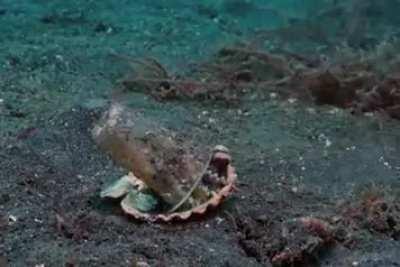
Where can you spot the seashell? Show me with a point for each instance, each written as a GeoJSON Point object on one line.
{"type": "Point", "coordinates": [162, 169]}
{"type": "Point", "coordinates": [200, 209]}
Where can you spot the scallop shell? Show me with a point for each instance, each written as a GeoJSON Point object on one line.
{"type": "Point", "coordinates": [211, 203]}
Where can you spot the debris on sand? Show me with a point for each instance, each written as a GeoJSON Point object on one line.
{"type": "Point", "coordinates": [356, 84]}
{"type": "Point", "coordinates": [295, 242]}
{"type": "Point", "coordinates": [374, 212]}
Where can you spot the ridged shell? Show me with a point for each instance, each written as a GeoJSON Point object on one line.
{"type": "Point", "coordinates": [213, 202]}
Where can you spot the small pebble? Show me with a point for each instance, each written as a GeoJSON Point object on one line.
{"type": "Point", "coordinates": [219, 220]}
{"type": "Point", "coordinates": [334, 111]}
{"type": "Point", "coordinates": [12, 219]}
{"type": "Point", "coordinates": [328, 143]}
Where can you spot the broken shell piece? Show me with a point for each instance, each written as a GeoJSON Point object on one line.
{"type": "Point", "coordinates": [143, 202]}
{"type": "Point", "coordinates": [122, 186]}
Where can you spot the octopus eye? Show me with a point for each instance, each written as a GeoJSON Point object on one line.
{"type": "Point", "coordinates": [165, 85]}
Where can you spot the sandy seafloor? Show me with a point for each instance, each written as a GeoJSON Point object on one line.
{"type": "Point", "coordinates": [57, 72]}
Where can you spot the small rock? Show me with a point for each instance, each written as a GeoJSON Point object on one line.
{"type": "Point", "coordinates": [273, 95]}
{"type": "Point", "coordinates": [12, 219]}
{"type": "Point", "coordinates": [103, 27]}
{"type": "Point", "coordinates": [328, 143]}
